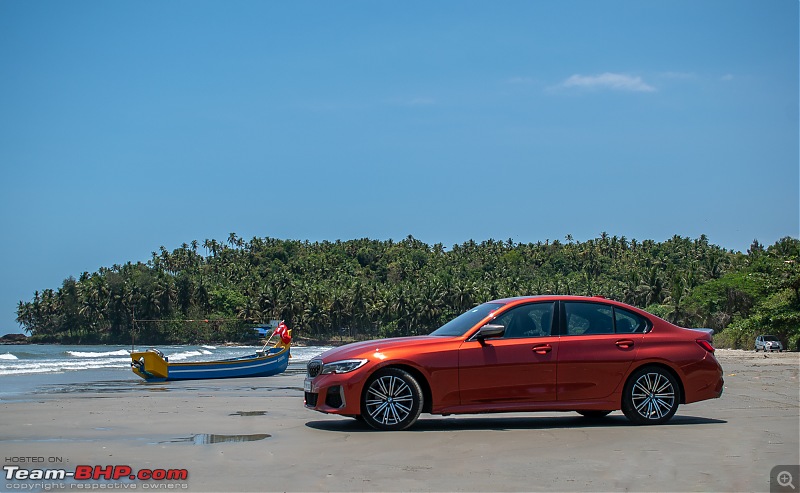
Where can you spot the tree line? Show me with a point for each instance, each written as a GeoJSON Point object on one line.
{"type": "Point", "coordinates": [369, 288]}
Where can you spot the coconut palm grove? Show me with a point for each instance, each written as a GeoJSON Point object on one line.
{"type": "Point", "coordinates": [363, 288]}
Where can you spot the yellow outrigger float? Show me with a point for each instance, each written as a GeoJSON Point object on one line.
{"type": "Point", "coordinates": [153, 366]}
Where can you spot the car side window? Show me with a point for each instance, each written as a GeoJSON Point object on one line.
{"type": "Point", "coordinates": [532, 320]}
{"type": "Point", "coordinates": [628, 323]}
{"type": "Point", "coordinates": [588, 318]}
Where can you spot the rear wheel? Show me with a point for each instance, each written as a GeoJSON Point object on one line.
{"type": "Point", "coordinates": [651, 396]}
{"type": "Point", "coordinates": [392, 400]}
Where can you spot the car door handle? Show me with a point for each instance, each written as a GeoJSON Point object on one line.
{"type": "Point", "coordinates": [625, 344]}
{"type": "Point", "coordinates": [542, 348]}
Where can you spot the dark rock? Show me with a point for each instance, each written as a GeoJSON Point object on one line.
{"type": "Point", "coordinates": [14, 339]}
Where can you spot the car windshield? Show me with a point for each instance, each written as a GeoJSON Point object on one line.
{"type": "Point", "coordinates": [462, 323]}
{"type": "Point", "coordinates": [770, 338]}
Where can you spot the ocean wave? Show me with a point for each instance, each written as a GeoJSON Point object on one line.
{"type": "Point", "coordinates": [43, 359]}
{"type": "Point", "coordinates": [83, 354]}
{"type": "Point", "coordinates": [20, 367]}
{"type": "Point", "coordinates": [209, 347]}
{"type": "Point", "coordinates": [302, 354]}
{"type": "Point", "coordinates": [184, 355]}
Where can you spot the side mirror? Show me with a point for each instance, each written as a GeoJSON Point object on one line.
{"type": "Point", "coordinates": [490, 330]}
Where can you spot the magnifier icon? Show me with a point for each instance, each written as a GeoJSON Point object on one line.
{"type": "Point", "coordinates": [785, 479]}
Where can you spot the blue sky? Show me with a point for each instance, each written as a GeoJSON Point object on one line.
{"type": "Point", "coordinates": [129, 125]}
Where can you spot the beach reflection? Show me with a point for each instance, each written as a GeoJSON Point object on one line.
{"type": "Point", "coordinates": [210, 438]}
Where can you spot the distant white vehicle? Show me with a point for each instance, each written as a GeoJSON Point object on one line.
{"type": "Point", "coordinates": [768, 343]}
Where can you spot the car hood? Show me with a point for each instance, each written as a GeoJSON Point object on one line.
{"type": "Point", "coordinates": [365, 348]}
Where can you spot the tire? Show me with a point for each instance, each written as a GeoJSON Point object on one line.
{"type": "Point", "coordinates": [391, 400]}
{"type": "Point", "coordinates": [651, 396]}
{"type": "Point", "coordinates": [594, 414]}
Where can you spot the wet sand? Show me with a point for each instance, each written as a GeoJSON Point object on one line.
{"type": "Point", "coordinates": [255, 435]}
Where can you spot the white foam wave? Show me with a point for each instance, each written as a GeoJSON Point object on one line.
{"type": "Point", "coordinates": [83, 354]}
{"type": "Point", "coordinates": [301, 353]}
{"type": "Point", "coordinates": [53, 366]}
{"type": "Point", "coordinates": [184, 355]}
{"type": "Point", "coordinates": [209, 347]}
{"type": "Point", "coordinates": [57, 359]}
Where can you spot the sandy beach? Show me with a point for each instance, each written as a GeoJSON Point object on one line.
{"type": "Point", "coordinates": [255, 435]}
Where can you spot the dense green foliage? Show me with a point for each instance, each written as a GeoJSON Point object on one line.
{"type": "Point", "coordinates": [385, 288]}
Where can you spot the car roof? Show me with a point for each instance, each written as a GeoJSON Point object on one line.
{"type": "Point", "coordinates": [542, 297]}
{"type": "Point", "coordinates": [566, 297]}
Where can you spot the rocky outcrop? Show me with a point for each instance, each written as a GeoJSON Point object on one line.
{"type": "Point", "coordinates": [14, 339]}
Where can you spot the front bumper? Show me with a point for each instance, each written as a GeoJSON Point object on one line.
{"type": "Point", "coordinates": [334, 393]}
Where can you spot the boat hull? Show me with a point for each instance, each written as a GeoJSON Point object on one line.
{"type": "Point", "coordinates": [153, 367]}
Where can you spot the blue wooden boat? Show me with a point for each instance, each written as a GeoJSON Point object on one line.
{"type": "Point", "coordinates": [153, 366]}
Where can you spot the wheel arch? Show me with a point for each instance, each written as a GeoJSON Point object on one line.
{"type": "Point", "coordinates": [427, 397]}
{"type": "Point", "coordinates": [664, 366]}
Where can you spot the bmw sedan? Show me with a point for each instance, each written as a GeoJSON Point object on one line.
{"type": "Point", "coordinates": [542, 353]}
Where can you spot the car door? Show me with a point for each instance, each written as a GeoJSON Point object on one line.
{"type": "Point", "coordinates": [598, 344]}
{"type": "Point", "coordinates": [517, 368]}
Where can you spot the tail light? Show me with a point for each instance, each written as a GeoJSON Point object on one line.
{"type": "Point", "coordinates": [705, 345]}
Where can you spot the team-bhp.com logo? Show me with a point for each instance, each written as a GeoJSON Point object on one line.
{"type": "Point", "coordinates": [96, 473]}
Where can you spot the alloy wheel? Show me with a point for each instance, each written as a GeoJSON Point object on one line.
{"type": "Point", "coordinates": [392, 400]}
{"type": "Point", "coordinates": [651, 397]}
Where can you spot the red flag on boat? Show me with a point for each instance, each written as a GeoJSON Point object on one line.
{"type": "Point", "coordinates": [283, 332]}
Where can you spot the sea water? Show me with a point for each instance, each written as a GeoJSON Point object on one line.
{"type": "Point", "coordinates": [30, 369]}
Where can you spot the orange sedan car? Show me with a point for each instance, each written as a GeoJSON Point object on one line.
{"type": "Point", "coordinates": [539, 353]}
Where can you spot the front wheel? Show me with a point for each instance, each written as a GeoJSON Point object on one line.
{"type": "Point", "coordinates": [651, 396]}
{"type": "Point", "coordinates": [392, 400]}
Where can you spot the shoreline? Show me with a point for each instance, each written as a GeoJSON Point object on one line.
{"type": "Point", "coordinates": [29, 371]}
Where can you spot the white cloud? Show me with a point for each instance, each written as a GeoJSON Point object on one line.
{"type": "Point", "coordinates": [608, 80]}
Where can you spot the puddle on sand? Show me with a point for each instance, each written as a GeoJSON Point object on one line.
{"type": "Point", "coordinates": [207, 438]}
{"type": "Point", "coordinates": [248, 413]}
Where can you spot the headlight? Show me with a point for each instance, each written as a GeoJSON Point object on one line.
{"type": "Point", "coordinates": [344, 366]}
